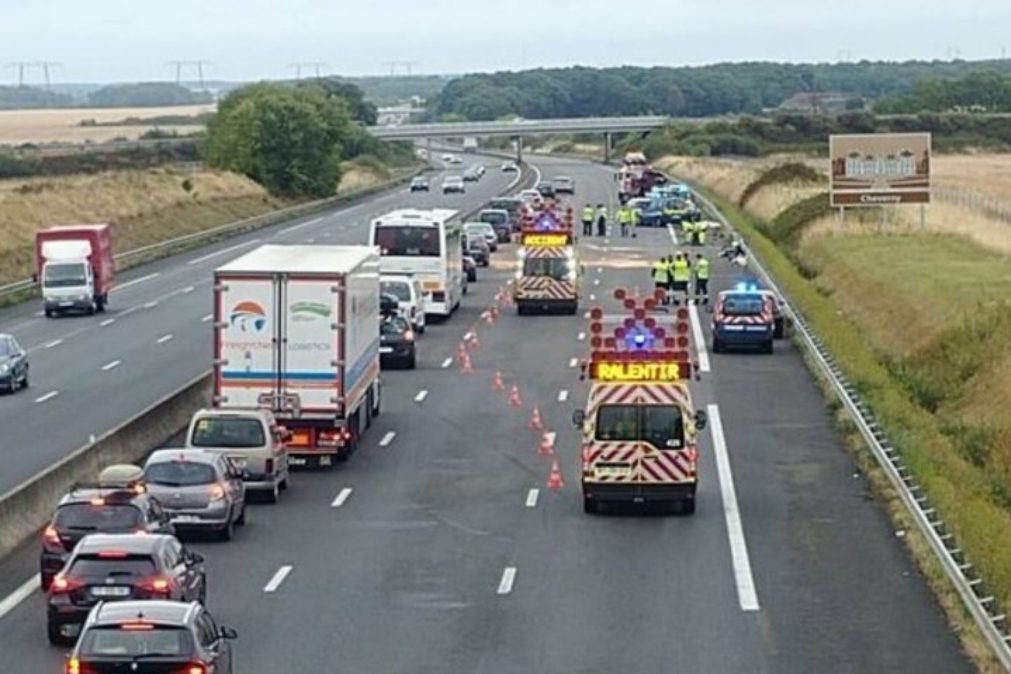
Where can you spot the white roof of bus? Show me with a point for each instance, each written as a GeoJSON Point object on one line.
{"type": "Point", "coordinates": [422, 217]}
{"type": "Point", "coordinates": [305, 259]}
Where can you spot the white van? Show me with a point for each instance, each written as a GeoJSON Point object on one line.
{"type": "Point", "coordinates": [410, 296]}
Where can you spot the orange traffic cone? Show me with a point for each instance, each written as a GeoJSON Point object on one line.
{"type": "Point", "coordinates": [547, 446]}
{"type": "Point", "coordinates": [535, 423]}
{"type": "Point", "coordinates": [475, 343]}
{"type": "Point", "coordinates": [466, 367]}
{"type": "Point", "coordinates": [496, 382]}
{"type": "Point", "coordinates": [555, 481]}
{"type": "Point", "coordinates": [514, 397]}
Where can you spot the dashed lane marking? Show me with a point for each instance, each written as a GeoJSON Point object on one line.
{"type": "Point", "coordinates": [563, 395]}
{"type": "Point", "coordinates": [293, 228]}
{"type": "Point", "coordinates": [107, 322]}
{"type": "Point", "coordinates": [532, 498]}
{"type": "Point", "coordinates": [505, 586]}
{"type": "Point", "coordinates": [277, 579]}
{"type": "Point", "coordinates": [573, 362]}
{"type": "Point", "coordinates": [343, 496]}
{"type": "Point", "coordinates": [166, 338]}
{"type": "Point", "coordinates": [207, 319]}
{"type": "Point", "coordinates": [422, 394]}
{"type": "Point", "coordinates": [387, 439]}
{"type": "Point", "coordinates": [47, 397]}
{"type": "Point", "coordinates": [188, 289]}
{"type": "Point", "coordinates": [136, 281]}
{"type": "Point", "coordinates": [446, 363]}
{"type": "Point", "coordinates": [11, 601]}
{"type": "Point", "coordinates": [581, 336]}
{"type": "Point", "coordinates": [53, 344]}
{"type": "Point", "coordinates": [223, 251]}
{"type": "Point", "coordinates": [700, 340]}
{"type": "Point", "coordinates": [111, 366]}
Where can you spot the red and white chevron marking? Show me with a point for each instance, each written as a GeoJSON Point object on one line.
{"type": "Point", "coordinates": [552, 252]}
{"type": "Point", "coordinates": [544, 287]}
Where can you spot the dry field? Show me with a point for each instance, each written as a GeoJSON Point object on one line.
{"type": "Point", "coordinates": [63, 125]}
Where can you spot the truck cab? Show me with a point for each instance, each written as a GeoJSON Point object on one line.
{"type": "Point", "coordinates": [74, 268]}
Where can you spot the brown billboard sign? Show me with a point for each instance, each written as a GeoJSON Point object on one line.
{"type": "Point", "coordinates": [880, 169]}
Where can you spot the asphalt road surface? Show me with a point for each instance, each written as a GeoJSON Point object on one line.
{"type": "Point", "coordinates": [448, 554]}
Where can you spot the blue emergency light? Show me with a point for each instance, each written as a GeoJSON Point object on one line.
{"type": "Point", "coordinates": [638, 338]}
{"type": "Point", "coordinates": [546, 223]}
{"type": "Point", "coordinates": [747, 287]}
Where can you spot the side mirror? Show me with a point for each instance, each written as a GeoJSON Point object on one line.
{"type": "Point", "coordinates": [701, 419]}
{"type": "Point", "coordinates": [195, 558]}
{"type": "Point", "coordinates": [578, 418]}
{"type": "Point", "coordinates": [227, 633]}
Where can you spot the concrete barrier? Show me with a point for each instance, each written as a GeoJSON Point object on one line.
{"type": "Point", "coordinates": [25, 509]}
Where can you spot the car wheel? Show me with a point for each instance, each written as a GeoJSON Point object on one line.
{"type": "Point", "coordinates": [24, 380]}
{"type": "Point", "coordinates": [686, 506]}
{"type": "Point", "coordinates": [202, 597]}
{"type": "Point", "coordinates": [228, 530]}
{"type": "Point", "coordinates": [778, 330]}
{"type": "Point", "coordinates": [411, 362]}
{"type": "Point", "coordinates": [472, 276]}
{"type": "Point", "coordinates": [717, 345]}
{"type": "Point", "coordinates": [769, 347]}
{"type": "Point", "coordinates": [49, 313]}
{"type": "Point", "coordinates": [13, 386]}
{"type": "Point", "coordinates": [590, 506]}
{"type": "Point", "coordinates": [53, 632]}
{"type": "Point", "coordinates": [241, 519]}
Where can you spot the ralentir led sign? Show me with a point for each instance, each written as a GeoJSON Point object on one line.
{"type": "Point", "coordinates": [634, 372]}
{"type": "Point", "coordinates": [545, 239]}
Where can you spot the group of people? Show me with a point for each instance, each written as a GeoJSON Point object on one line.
{"type": "Point", "coordinates": [694, 232]}
{"type": "Point", "coordinates": [626, 217]}
{"type": "Point", "coordinates": [674, 275]}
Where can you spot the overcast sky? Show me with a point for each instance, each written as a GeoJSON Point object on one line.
{"type": "Point", "coordinates": [120, 40]}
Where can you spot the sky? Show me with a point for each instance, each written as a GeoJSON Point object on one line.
{"type": "Point", "coordinates": [119, 40]}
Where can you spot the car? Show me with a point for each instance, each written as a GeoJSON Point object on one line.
{"type": "Point", "coordinates": [481, 170]}
{"type": "Point", "coordinates": [396, 338]}
{"type": "Point", "coordinates": [13, 364]}
{"type": "Point", "coordinates": [113, 505]}
{"type": "Point", "coordinates": [252, 439]}
{"type": "Point", "coordinates": [476, 246]}
{"type": "Point", "coordinates": [199, 490]}
{"type": "Point", "coordinates": [447, 156]}
{"type": "Point", "coordinates": [419, 184]}
{"type": "Point", "coordinates": [485, 230]}
{"type": "Point", "coordinates": [152, 636]}
{"type": "Point", "coordinates": [471, 175]}
{"type": "Point", "coordinates": [546, 189]}
{"type": "Point", "coordinates": [469, 271]}
{"type": "Point", "coordinates": [499, 220]}
{"type": "Point", "coordinates": [409, 294]}
{"type": "Point", "coordinates": [453, 184]}
{"type": "Point", "coordinates": [564, 185]}
{"type": "Point", "coordinates": [510, 167]}
{"type": "Point", "coordinates": [531, 198]}
{"type": "Point", "coordinates": [454, 159]}
{"type": "Point", "coordinates": [120, 567]}
{"type": "Point", "coordinates": [778, 321]}
{"type": "Point", "coordinates": [743, 317]}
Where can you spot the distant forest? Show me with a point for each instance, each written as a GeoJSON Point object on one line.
{"type": "Point", "coordinates": [144, 94]}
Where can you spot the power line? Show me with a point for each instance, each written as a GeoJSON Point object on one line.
{"type": "Point", "coordinates": [315, 66]}
{"type": "Point", "coordinates": [196, 66]}
{"type": "Point", "coordinates": [24, 68]}
{"type": "Point", "coordinates": [408, 66]}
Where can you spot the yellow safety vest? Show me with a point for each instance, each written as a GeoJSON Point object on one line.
{"type": "Point", "coordinates": [702, 269]}
{"type": "Point", "coordinates": [660, 272]}
{"type": "Point", "coordinates": [588, 214]}
{"type": "Point", "coordinates": [682, 271]}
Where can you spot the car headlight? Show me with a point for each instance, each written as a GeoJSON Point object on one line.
{"type": "Point", "coordinates": [84, 297]}
{"type": "Point", "coordinates": [5, 368]}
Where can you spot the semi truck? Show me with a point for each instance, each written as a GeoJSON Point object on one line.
{"type": "Point", "coordinates": [296, 331]}
{"type": "Point", "coordinates": [74, 268]}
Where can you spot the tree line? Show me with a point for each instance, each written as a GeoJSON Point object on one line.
{"type": "Point", "coordinates": [976, 93]}
{"type": "Point", "coordinates": [140, 95]}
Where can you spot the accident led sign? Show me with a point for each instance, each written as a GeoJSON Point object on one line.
{"type": "Point", "coordinates": [545, 239]}
{"type": "Point", "coordinates": [636, 372]}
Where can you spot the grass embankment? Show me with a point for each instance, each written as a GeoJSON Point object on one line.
{"type": "Point", "coordinates": [920, 320]}
{"type": "Point", "coordinates": [144, 207]}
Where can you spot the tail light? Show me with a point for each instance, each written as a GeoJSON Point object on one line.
{"type": "Point", "coordinates": [194, 668]}
{"type": "Point", "coordinates": [62, 584]}
{"type": "Point", "coordinates": [158, 585]}
{"type": "Point", "coordinates": [218, 492]}
{"type": "Point", "coordinates": [409, 335]}
{"type": "Point", "coordinates": [50, 536]}
{"type": "Point", "coordinates": [268, 466]}
{"type": "Point", "coordinates": [74, 666]}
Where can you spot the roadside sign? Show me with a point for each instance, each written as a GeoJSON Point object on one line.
{"type": "Point", "coordinates": [885, 169]}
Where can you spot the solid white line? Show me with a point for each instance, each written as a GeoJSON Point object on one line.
{"type": "Point", "coordinates": [746, 594]}
{"type": "Point", "coordinates": [223, 251]}
{"type": "Point", "coordinates": [207, 319]}
{"type": "Point", "coordinates": [563, 395]}
{"type": "Point", "coordinates": [53, 344]}
{"type": "Point", "coordinates": [151, 305]}
{"type": "Point", "coordinates": [107, 322]}
{"type": "Point", "coordinates": [341, 497]}
{"type": "Point", "coordinates": [278, 578]}
{"type": "Point", "coordinates": [422, 394]}
{"type": "Point", "coordinates": [46, 398]}
{"type": "Point", "coordinates": [505, 586]}
{"type": "Point", "coordinates": [142, 279]}
{"type": "Point", "coordinates": [110, 366]}
{"type": "Point", "coordinates": [387, 439]}
{"type": "Point", "coordinates": [581, 336]}
{"type": "Point", "coordinates": [532, 498]}
{"type": "Point", "coordinates": [700, 340]}
{"type": "Point", "coordinates": [165, 338]}
{"type": "Point", "coordinates": [446, 363]}
{"type": "Point", "coordinates": [304, 224]}
{"type": "Point", "coordinates": [188, 289]}
{"type": "Point", "coordinates": [11, 601]}
{"type": "Point", "coordinates": [573, 362]}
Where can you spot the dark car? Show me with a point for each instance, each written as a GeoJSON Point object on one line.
{"type": "Point", "coordinates": [98, 507]}
{"type": "Point", "coordinates": [396, 337]}
{"type": "Point", "coordinates": [476, 246]}
{"type": "Point", "coordinates": [512, 205]}
{"type": "Point", "coordinates": [546, 190]}
{"type": "Point", "coordinates": [13, 364]}
{"type": "Point", "coordinates": [152, 636]}
{"type": "Point", "coordinates": [419, 184]}
{"type": "Point", "coordinates": [498, 218]}
{"type": "Point", "coordinates": [564, 185]}
{"type": "Point", "coordinates": [119, 567]}
{"type": "Point", "coordinates": [471, 175]}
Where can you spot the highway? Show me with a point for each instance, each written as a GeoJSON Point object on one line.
{"type": "Point", "coordinates": [437, 548]}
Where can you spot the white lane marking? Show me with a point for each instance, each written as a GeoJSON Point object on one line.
{"type": "Point", "coordinates": [387, 439]}
{"type": "Point", "coordinates": [469, 336]}
{"type": "Point", "coordinates": [746, 594]}
{"type": "Point", "coordinates": [593, 298]}
{"type": "Point", "coordinates": [40, 314]}
{"type": "Point", "coordinates": [563, 395]}
{"type": "Point", "coordinates": [586, 315]}
{"type": "Point", "coordinates": [53, 344]}
{"type": "Point", "coordinates": [223, 251]}
{"type": "Point", "coordinates": [532, 498]}
{"type": "Point", "coordinates": [596, 281]}
{"type": "Point", "coordinates": [207, 319]}
{"type": "Point", "coordinates": [573, 362]}
{"type": "Point", "coordinates": [165, 338]}
{"type": "Point", "coordinates": [11, 601]}
{"type": "Point", "coordinates": [310, 240]}
{"type": "Point", "coordinates": [673, 234]}
{"type": "Point", "coordinates": [142, 279]}
{"type": "Point", "coordinates": [294, 228]}
{"type": "Point", "coordinates": [505, 586]}
{"type": "Point", "coordinates": [700, 340]}
{"type": "Point", "coordinates": [188, 289]}
{"type": "Point", "coordinates": [278, 578]}
{"type": "Point", "coordinates": [111, 366]}
{"type": "Point", "coordinates": [326, 235]}
{"type": "Point", "coordinates": [446, 363]}
{"type": "Point", "coordinates": [107, 322]}
{"type": "Point", "coordinates": [46, 398]}
{"type": "Point", "coordinates": [152, 304]}
{"type": "Point", "coordinates": [341, 497]}
{"type": "Point", "coordinates": [600, 270]}
{"type": "Point", "coordinates": [422, 394]}
{"type": "Point", "coordinates": [549, 437]}
{"type": "Point", "coordinates": [581, 336]}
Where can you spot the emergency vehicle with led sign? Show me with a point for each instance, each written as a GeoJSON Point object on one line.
{"type": "Point", "coordinates": [640, 427]}
{"type": "Point", "coordinates": [548, 274]}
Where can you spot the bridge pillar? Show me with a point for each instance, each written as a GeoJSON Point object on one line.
{"type": "Point", "coordinates": [519, 149]}
{"type": "Point", "coordinates": [607, 146]}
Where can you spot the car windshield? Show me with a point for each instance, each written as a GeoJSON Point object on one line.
{"type": "Point", "coordinates": [394, 325]}
{"type": "Point", "coordinates": [552, 267]}
{"type": "Point", "coordinates": [180, 473]}
{"type": "Point", "coordinates": [109, 566]}
{"type": "Point", "coordinates": [101, 517]}
{"type": "Point", "coordinates": [409, 241]}
{"type": "Point", "coordinates": [399, 289]}
{"type": "Point", "coordinates": [130, 641]}
{"type": "Point", "coordinates": [481, 228]}
{"type": "Point", "coordinates": [743, 306]}
{"type": "Point", "coordinates": [64, 275]}
{"type": "Point", "coordinates": [511, 205]}
{"type": "Point", "coordinates": [228, 432]}
{"type": "Point", "coordinates": [660, 425]}
{"type": "Point", "coordinates": [476, 243]}
{"type": "Point", "coordinates": [493, 218]}
{"type": "Point", "coordinates": [6, 347]}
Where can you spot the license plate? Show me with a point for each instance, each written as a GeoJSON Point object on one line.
{"type": "Point", "coordinates": [297, 461]}
{"type": "Point", "coordinates": [66, 304]}
{"type": "Point", "coordinates": [325, 460]}
{"type": "Point", "coordinates": [110, 591]}
{"type": "Point", "coordinates": [386, 349]}
{"type": "Point", "coordinates": [185, 519]}
{"type": "Point", "coordinates": [613, 471]}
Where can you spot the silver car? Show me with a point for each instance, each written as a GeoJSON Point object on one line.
{"type": "Point", "coordinates": [199, 490]}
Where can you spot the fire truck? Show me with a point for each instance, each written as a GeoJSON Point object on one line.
{"type": "Point", "coordinates": [640, 427]}
{"type": "Point", "coordinates": [636, 177]}
{"type": "Point", "coordinates": [548, 273]}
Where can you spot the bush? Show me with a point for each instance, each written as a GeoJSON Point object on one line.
{"type": "Point", "coordinates": [792, 172]}
{"type": "Point", "coordinates": [785, 229]}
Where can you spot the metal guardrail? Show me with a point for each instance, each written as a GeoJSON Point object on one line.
{"type": "Point", "coordinates": [967, 582]}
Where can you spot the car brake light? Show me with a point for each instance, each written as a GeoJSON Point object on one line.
{"type": "Point", "coordinates": [73, 667]}
{"type": "Point", "coordinates": [51, 536]}
{"type": "Point", "coordinates": [112, 554]}
{"type": "Point", "coordinates": [136, 627]}
{"type": "Point", "coordinates": [409, 335]}
{"type": "Point", "coordinates": [62, 584]}
{"type": "Point", "coordinates": [97, 501]}
{"type": "Point", "coordinates": [217, 492]}
{"type": "Point", "coordinates": [195, 668]}
{"type": "Point", "coordinates": [268, 466]}
{"type": "Point", "coordinates": [157, 585]}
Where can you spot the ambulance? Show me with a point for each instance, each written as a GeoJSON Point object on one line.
{"type": "Point", "coordinates": [640, 427]}
{"type": "Point", "coordinates": [548, 273]}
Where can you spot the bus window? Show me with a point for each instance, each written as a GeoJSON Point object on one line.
{"type": "Point", "coordinates": [408, 241]}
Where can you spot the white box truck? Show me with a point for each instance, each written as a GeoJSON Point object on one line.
{"type": "Point", "coordinates": [296, 331]}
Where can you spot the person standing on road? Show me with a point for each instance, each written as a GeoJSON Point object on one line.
{"type": "Point", "coordinates": [670, 279]}
{"type": "Point", "coordinates": [601, 220]}
{"type": "Point", "coordinates": [636, 217]}
{"type": "Point", "coordinates": [625, 219]}
{"type": "Point", "coordinates": [659, 275]}
{"type": "Point", "coordinates": [682, 276]}
{"type": "Point", "coordinates": [701, 279]}
{"type": "Point", "coordinates": [588, 214]}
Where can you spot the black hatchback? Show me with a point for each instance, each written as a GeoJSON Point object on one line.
{"type": "Point", "coordinates": [396, 338]}
{"type": "Point", "coordinates": [151, 637]}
